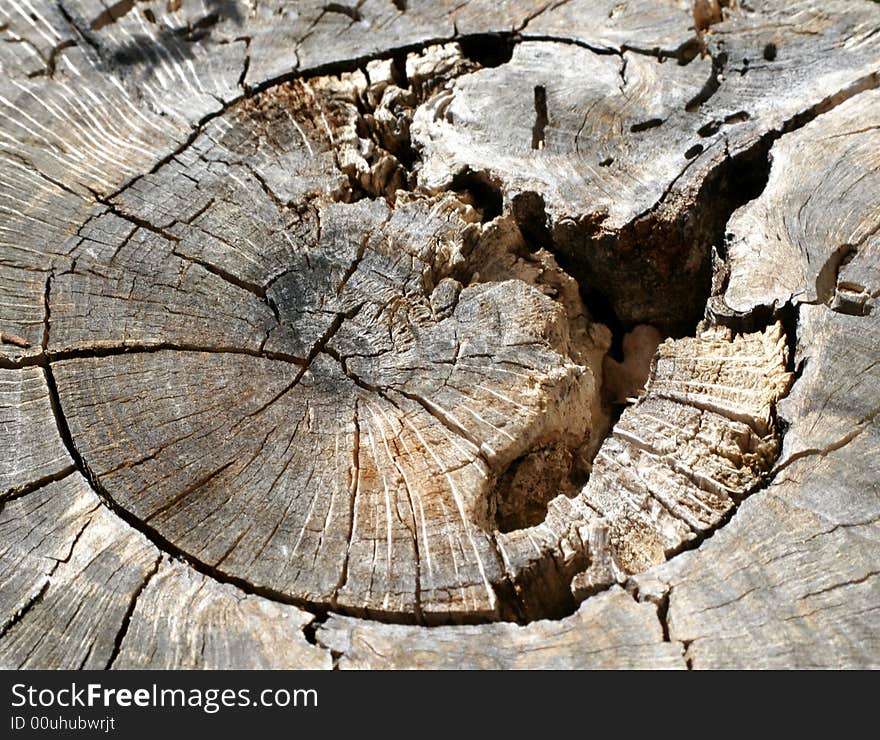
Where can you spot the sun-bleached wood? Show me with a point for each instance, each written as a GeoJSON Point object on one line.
{"type": "Point", "coordinates": [599, 635]}
{"type": "Point", "coordinates": [308, 307]}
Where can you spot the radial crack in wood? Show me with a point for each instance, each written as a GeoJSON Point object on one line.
{"type": "Point", "coordinates": [362, 474]}
{"type": "Point", "coordinates": [83, 565]}
{"type": "Point", "coordinates": [792, 580]}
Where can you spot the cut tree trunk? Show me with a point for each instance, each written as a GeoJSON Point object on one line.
{"type": "Point", "coordinates": [434, 334]}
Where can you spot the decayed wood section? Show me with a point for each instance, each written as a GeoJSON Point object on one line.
{"type": "Point", "coordinates": [439, 335]}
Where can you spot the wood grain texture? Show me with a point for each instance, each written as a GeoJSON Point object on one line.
{"type": "Point", "coordinates": [87, 564]}
{"type": "Point", "coordinates": [601, 635]}
{"type": "Point", "coordinates": [75, 581]}
{"type": "Point", "coordinates": [821, 255]}
{"type": "Point", "coordinates": [792, 580]}
{"type": "Point", "coordinates": [626, 154]}
{"type": "Point", "coordinates": [33, 450]}
{"type": "Point", "coordinates": [185, 620]}
{"type": "Point", "coordinates": [675, 465]}
{"type": "Point", "coordinates": [438, 313]}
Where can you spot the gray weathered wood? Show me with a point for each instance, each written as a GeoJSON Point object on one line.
{"type": "Point", "coordinates": [600, 635]}
{"type": "Point", "coordinates": [75, 580]}
{"type": "Point", "coordinates": [308, 307]}
{"type": "Point", "coordinates": [184, 619]}
{"type": "Point", "coordinates": [32, 448]}
{"type": "Point", "coordinates": [792, 581]}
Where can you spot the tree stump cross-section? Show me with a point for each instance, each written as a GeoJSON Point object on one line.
{"type": "Point", "coordinates": [391, 318]}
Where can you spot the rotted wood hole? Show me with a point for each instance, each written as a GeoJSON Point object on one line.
{"type": "Point", "coordinates": [435, 334]}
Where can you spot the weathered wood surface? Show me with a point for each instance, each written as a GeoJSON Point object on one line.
{"type": "Point", "coordinates": [600, 635]}
{"type": "Point", "coordinates": [304, 310]}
